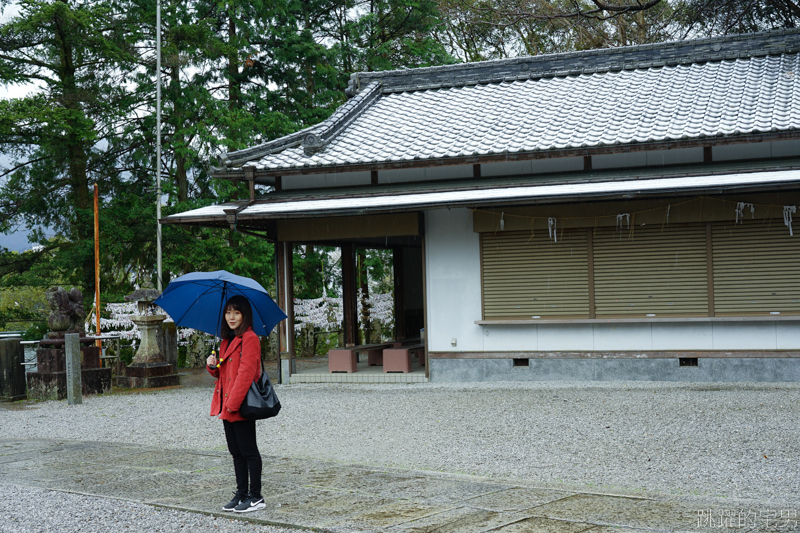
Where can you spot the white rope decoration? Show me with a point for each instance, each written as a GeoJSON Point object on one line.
{"type": "Point", "coordinates": [787, 217]}
{"type": "Point", "coordinates": [627, 217]}
{"type": "Point", "coordinates": [740, 211]}
{"type": "Point", "coordinates": [551, 229]}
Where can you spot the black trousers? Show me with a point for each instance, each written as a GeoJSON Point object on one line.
{"type": "Point", "coordinates": [241, 437]}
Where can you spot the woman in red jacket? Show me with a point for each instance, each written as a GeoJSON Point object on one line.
{"type": "Point", "coordinates": [237, 367]}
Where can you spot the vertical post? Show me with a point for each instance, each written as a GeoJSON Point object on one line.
{"type": "Point", "coordinates": [158, 143]}
{"type": "Point", "coordinates": [349, 294]}
{"type": "Point", "coordinates": [98, 342]}
{"type": "Point", "coordinates": [280, 297]}
{"type": "Point", "coordinates": [277, 246]}
{"type": "Point", "coordinates": [399, 295]}
{"type": "Point", "coordinates": [289, 257]}
{"type": "Point", "coordinates": [72, 348]}
{"type": "Point", "coordinates": [12, 372]}
{"type": "Point", "coordinates": [425, 305]}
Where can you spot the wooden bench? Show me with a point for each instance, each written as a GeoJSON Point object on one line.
{"type": "Point", "coordinates": [398, 359]}
{"type": "Point", "coordinates": [346, 359]}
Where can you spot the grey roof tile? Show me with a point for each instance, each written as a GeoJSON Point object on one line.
{"type": "Point", "coordinates": [612, 106]}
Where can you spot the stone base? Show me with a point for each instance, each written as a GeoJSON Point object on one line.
{"type": "Point", "coordinates": [148, 376]}
{"type": "Point", "coordinates": [53, 385]}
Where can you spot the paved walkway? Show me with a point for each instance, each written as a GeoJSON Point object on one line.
{"type": "Point", "coordinates": [335, 497]}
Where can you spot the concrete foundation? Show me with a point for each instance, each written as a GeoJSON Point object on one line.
{"type": "Point", "coordinates": [709, 369]}
{"type": "Point", "coordinates": [53, 385]}
{"type": "Point", "coordinates": [148, 375]}
{"type": "Point", "coordinates": [50, 380]}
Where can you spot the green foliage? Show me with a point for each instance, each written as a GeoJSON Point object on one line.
{"type": "Point", "coordinates": [35, 331]}
{"type": "Point", "coordinates": [23, 308]}
{"type": "Point", "coordinates": [126, 354]}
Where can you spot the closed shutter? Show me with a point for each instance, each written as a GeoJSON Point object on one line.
{"type": "Point", "coordinates": [654, 271]}
{"type": "Point", "coordinates": [525, 276]}
{"type": "Point", "coordinates": [756, 268]}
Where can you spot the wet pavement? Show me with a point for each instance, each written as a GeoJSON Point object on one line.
{"type": "Point", "coordinates": [327, 496]}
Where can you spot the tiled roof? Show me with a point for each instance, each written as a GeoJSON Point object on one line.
{"type": "Point", "coordinates": [691, 90]}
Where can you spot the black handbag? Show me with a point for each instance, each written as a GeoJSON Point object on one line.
{"type": "Point", "coordinates": [261, 401]}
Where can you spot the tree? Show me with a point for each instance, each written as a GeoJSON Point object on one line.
{"type": "Point", "coordinates": [60, 140]}
{"type": "Point", "coordinates": [485, 29]}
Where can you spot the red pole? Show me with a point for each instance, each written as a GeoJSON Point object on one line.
{"type": "Point", "coordinates": [98, 342]}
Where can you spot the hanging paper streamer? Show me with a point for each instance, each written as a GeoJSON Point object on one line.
{"type": "Point", "coordinates": [740, 211]}
{"type": "Point", "coordinates": [502, 222]}
{"type": "Point", "coordinates": [669, 206]}
{"type": "Point", "coordinates": [551, 228]}
{"type": "Point", "coordinates": [627, 217]}
{"type": "Point", "coordinates": [787, 217]}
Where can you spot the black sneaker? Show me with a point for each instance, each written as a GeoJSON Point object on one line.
{"type": "Point", "coordinates": [237, 499]}
{"type": "Point", "coordinates": [252, 502]}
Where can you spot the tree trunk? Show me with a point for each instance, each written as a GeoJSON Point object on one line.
{"type": "Point", "coordinates": [82, 223]}
{"type": "Point", "coordinates": [181, 181]}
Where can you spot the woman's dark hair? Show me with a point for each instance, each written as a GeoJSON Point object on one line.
{"type": "Point", "coordinates": [241, 304]}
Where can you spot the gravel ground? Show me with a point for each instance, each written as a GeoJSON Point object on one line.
{"type": "Point", "coordinates": [27, 510]}
{"type": "Point", "coordinates": [732, 440]}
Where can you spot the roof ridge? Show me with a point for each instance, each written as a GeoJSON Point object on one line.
{"type": "Point", "coordinates": [313, 138]}
{"type": "Point", "coordinates": [773, 42]}
{"type": "Point", "coordinates": [239, 157]}
{"type": "Point", "coordinates": [327, 130]}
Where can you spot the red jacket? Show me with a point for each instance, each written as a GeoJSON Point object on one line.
{"type": "Point", "coordinates": [240, 366]}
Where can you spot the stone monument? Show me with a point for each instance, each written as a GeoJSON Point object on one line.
{"type": "Point", "coordinates": [49, 382]}
{"type": "Point", "coordinates": [149, 367]}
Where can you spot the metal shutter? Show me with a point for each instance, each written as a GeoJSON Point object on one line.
{"type": "Point", "coordinates": [652, 271]}
{"type": "Point", "coordinates": [756, 268]}
{"type": "Point", "coordinates": [526, 276]}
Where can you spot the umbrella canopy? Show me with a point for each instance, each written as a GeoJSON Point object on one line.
{"type": "Point", "coordinates": [196, 301]}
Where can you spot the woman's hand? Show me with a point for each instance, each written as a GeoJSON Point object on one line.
{"type": "Point", "coordinates": [212, 360]}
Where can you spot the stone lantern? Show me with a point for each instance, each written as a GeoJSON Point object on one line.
{"type": "Point", "coordinates": [149, 367]}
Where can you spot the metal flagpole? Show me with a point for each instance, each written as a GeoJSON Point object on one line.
{"type": "Point", "coordinates": [158, 140]}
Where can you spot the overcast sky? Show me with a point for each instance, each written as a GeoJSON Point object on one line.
{"type": "Point", "coordinates": [17, 240]}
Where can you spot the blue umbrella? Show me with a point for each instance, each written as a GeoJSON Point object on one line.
{"type": "Point", "coordinates": [196, 301]}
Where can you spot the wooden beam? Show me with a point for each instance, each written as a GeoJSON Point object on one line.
{"type": "Point", "coordinates": [289, 254]}
{"type": "Point", "coordinates": [373, 177]}
{"type": "Point", "coordinates": [349, 294]}
{"type": "Point", "coordinates": [708, 156]}
{"type": "Point", "coordinates": [476, 171]}
{"type": "Point", "coordinates": [399, 288]}
{"type": "Point", "coordinates": [425, 310]}
{"type": "Point", "coordinates": [280, 297]}
{"type": "Point", "coordinates": [587, 163]}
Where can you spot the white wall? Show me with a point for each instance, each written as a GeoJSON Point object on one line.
{"type": "Point", "coordinates": [453, 283]}
{"type": "Point", "coordinates": [664, 336]}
